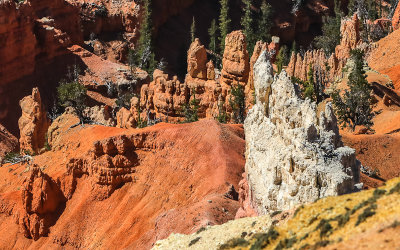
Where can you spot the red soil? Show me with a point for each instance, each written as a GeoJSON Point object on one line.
{"type": "Point", "coordinates": [179, 182]}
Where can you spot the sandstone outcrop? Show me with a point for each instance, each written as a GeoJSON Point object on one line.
{"type": "Point", "coordinates": [8, 142]}
{"type": "Point", "coordinates": [197, 60]}
{"type": "Point", "coordinates": [350, 33]}
{"type": "Point", "coordinates": [162, 97]}
{"type": "Point", "coordinates": [40, 199]}
{"type": "Point", "coordinates": [328, 68]}
{"type": "Point", "coordinates": [33, 123]}
{"type": "Point", "coordinates": [235, 62]}
{"type": "Point", "coordinates": [60, 126]}
{"type": "Point", "coordinates": [101, 115]}
{"type": "Point", "coordinates": [293, 157]}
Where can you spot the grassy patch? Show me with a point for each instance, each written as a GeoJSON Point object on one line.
{"type": "Point", "coordinates": [264, 239]}
{"type": "Point", "coordinates": [235, 242]}
{"type": "Point", "coordinates": [368, 212]}
{"type": "Point", "coordinates": [395, 189]}
{"type": "Point", "coordinates": [325, 228]}
{"type": "Point", "coordinates": [194, 241]}
{"type": "Point", "coordinates": [286, 243]}
{"type": "Point", "coordinates": [297, 210]}
{"type": "Point", "coordinates": [202, 229]}
{"type": "Point", "coordinates": [276, 213]}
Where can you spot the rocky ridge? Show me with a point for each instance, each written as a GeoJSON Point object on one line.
{"type": "Point", "coordinates": [369, 219]}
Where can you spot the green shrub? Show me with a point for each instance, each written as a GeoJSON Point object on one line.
{"type": "Point", "coordinates": [235, 242]}
{"type": "Point", "coordinates": [264, 239]}
{"type": "Point", "coordinates": [194, 241]}
{"type": "Point", "coordinates": [72, 94]}
{"type": "Point", "coordinates": [368, 212]}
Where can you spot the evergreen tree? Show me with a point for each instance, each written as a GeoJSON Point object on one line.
{"type": "Point", "coordinates": [145, 57]}
{"type": "Point", "coordinates": [237, 103]}
{"type": "Point", "coordinates": [213, 46]}
{"type": "Point", "coordinates": [190, 110]}
{"type": "Point", "coordinates": [265, 22]}
{"type": "Point", "coordinates": [224, 23]}
{"type": "Point", "coordinates": [372, 10]}
{"type": "Point", "coordinates": [247, 23]}
{"type": "Point", "coordinates": [282, 59]}
{"type": "Point", "coordinates": [294, 48]}
{"type": "Point", "coordinates": [355, 106]}
{"type": "Point", "coordinates": [309, 91]}
{"type": "Point", "coordinates": [132, 60]}
{"type": "Point", "coordinates": [71, 93]}
{"type": "Point", "coordinates": [193, 30]}
{"type": "Point", "coordinates": [212, 32]}
{"type": "Point", "coordinates": [331, 35]}
{"type": "Point", "coordinates": [351, 7]}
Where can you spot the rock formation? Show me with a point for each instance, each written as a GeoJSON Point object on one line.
{"type": "Point", "coordinates": [197, 60]}
{"type": "Point", "coordinates": [8, 142]}
{"type": "Point", "coordinates": [100, 115]}
{"type": "Point", "coordinates": [328, 67]}
{"type": "Point", "coordinates": [33, 123]}
{"type": "Point", "coordinates": [40, 199]}
{"type": "Point", "coordinates": [163, 97]}
{"type": "Point", "coordinates": [292, 155]}
{"type": "Point", "coordinates": [350, 31]}
{"type": "Point", "coordinates": [235, 62]}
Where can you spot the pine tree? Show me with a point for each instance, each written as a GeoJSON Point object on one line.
{"type": "Point", "coordinates": [131, 60]}
{"type": "Point", "coordinates": [294, 48]}
{"type": "Point", "coordinates": [354, 107]}
{"type": "Point", "coordinates": [193, 30]}
{"type": "Point", "coordinates": [351, 7]}
{"type": "Point", "coordinates": [190, 109]}
{"type": "Point", "coordinates": [265, 22]}
{"type": "Point", "coordinates": [237, 103]}
{"type": "Point", "coordinates": [213, 46]}
{"type": "Point", "coordinates": [247, 24]}
{"type": "Point", "coordinates": [212, 32]}
{"type": "Point", "coordinates": [331, 35]}
{"type": "Point", "coordinates": [224, 23]}
{"type": "Point", "coordinates": [309, 91]}
{"type": "Point", "coordinates": [145, 57]}
{"type": "Point", "coordinates": [282, 59]}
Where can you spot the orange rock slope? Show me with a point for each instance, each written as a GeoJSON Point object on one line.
{"type": "Point", "coordinates": [385, 57]}
{"type": "Point", "coordinates": [104, 187]}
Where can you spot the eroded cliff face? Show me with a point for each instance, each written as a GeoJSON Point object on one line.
{"type": "Point", "coordinates": [293, 154]}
